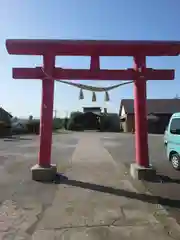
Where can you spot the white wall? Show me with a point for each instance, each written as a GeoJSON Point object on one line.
{"type": "Point", "coordinates": [123, 112]}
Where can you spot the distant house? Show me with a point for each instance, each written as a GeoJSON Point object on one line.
{"type": "Point", "coordinates": [4, 115]}
{"type": "Point", "coordinates": [19, 125]}
{"type": "Point", "coordinates": [5, 122]}
{"type": "Point", "coordinates": [159, 112]}
{"type": "Point", "coordinates": [95, 110]}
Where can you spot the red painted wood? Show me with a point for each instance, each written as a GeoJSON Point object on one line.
{"type": "Point", "coordinates": [141, 136]}
{"type": "Point", "coordinates": [91, 47]}
{"type": "Point", "coordinates": [81, 74]}
{"type": "Point", "coordinates": [46, 114]}
{"type": "Point", "coordinates": [95, 63]}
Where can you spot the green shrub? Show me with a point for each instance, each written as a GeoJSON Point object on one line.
{"type": "Point", "coordinates": [58, 123]}
{"type": "Point", "coordinates": [110, 123]}
{"type": "Point", "coordinates": [72, 124]}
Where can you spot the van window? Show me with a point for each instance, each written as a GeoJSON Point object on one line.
{"type": "Point", "coordinates": [175, 126]}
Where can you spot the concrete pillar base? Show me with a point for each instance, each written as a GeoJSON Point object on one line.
{"type": "Point", "coordinates": [142, 173]}
{"type": "Point", "coordinates": [44, 174]}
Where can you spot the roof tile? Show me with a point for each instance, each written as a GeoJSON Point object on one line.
{"type": "Point", "coordinates": [154, 106]}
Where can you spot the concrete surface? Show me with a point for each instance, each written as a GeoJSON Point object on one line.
{"type": "Point", "coordinates": [94, 199]}
{"type": "Point", "coordinates": [142, 173]}
{"type": "Point", "coordinates": [44, 174]}
{"type": "Point", "coordinates": [121, 147]}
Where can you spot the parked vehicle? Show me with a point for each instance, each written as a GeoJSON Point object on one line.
{"type": "Point", "coordinates": [172, 140]}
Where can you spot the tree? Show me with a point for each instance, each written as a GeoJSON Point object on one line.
{"type": "Point", "coordinates": [177, 97]}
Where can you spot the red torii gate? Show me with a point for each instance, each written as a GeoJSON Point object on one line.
{"type": "Point", "coordinates": [49, 49]}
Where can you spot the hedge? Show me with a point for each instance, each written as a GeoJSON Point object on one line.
{"type": "Point", "coordinates": [72, 124]}
{"type": "Point", "coordinates": [108, 122]}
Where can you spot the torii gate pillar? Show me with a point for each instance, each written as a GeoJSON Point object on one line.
{"type": "Point", "coordinates": [44, 170]}
{"type": "Point", "coordinates": [141, 169]}
{"type": "Point", "coordinates": [49, 49]}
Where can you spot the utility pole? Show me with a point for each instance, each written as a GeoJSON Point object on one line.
{"type": "Point", "coordinates": [177, 96]}
{"type": "Point", "coordinates": [55, 113]}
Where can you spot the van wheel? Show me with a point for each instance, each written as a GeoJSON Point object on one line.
{"type": "Point", "coordinates": [175, 161]}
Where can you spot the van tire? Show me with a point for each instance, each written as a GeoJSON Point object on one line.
{"type": "Point", "coordinates": [175, 160]}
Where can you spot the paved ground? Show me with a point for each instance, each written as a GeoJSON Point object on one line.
{"type": "Point", "coordinates": [121, 147]}
{"type": "Point", "coordinates": [96, 200]}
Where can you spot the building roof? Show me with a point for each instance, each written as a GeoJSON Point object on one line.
{"type": "Point", "coordinates": [5, 116]}
{"type": "Point", "coordinates": [154, 106]}
{"type": "Point", "coordinates": [91, 109]}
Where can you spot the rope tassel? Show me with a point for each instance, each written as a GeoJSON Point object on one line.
{"type": "Point", "coordinates": [93, 97]}
{"type": "Point", "coordinates": [81, 95]}
{"type": "Point", "coordinates": [106, 97]}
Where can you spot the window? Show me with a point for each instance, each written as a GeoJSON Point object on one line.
{"type": "Point", "coordinates": [175, 126]}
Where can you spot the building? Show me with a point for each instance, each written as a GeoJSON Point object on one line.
{"type": "Point", "coordinates": [5, 122]}
{"type": "Point", "coordinates": [95, 110]}
{"type": "Point", "coordinates": [159, 112]}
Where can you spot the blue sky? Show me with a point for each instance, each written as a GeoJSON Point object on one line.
{"type": "Point", "coordinates": [83, 19]}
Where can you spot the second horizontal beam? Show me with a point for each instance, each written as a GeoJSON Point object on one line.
{"type": "Point", "coordinates": [83, 74]}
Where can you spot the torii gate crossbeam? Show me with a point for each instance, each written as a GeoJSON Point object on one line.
{"type": "Point", "coordinates": [49, 49]}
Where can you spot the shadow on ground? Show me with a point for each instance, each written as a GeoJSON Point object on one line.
{"type": "Point", "coordinates": [12, 139]}
{"type": "Point", "coordinates": [164, 179]}
{"type": "Point", "coordinates": [61, 179]}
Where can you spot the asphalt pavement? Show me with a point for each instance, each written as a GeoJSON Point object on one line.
{"type": "Point", "coordinates": [122, 149]}
{"type": "Point", "coordinates": [17, 155]}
